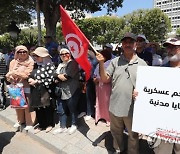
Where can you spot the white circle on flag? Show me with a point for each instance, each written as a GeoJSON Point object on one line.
{"type": "Point", "coordinates": [74, 44]}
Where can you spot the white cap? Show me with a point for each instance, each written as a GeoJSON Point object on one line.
{"type": "Point", "coordinates": [172, 41]}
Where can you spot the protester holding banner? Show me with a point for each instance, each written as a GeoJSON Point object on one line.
{"type": "Point", "coordinates": [173, 49]}
{"type": "Point", "coordinates": [67, 74]}
{"type": "Point", "coordinates": [19, 70]}
{"type": "Point", "coordinates": [122, 70]}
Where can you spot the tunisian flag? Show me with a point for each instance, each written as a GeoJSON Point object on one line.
{"type": "Point", "coordinates": [76, 42]}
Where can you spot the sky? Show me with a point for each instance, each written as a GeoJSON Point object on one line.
{"type": "Point", "coordinates": [129, 6]}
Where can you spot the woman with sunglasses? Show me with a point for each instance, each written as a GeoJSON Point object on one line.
{"type": "Point", "coordinates": [67, 74]}
{"type": "Point", "coordinates": [19, 70]}
{"type": "Point", "coordinates": [41, 81]}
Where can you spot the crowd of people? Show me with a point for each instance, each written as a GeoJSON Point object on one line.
{"type": "Point", "coordinates": [54, 82]}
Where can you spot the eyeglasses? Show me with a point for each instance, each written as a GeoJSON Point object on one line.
{"type": "Point", "coordinates": [36, 56]}
{"type": "Point", "coordinates": [64, 54]}
{"type": "Point", "coordinates": [21, 52]}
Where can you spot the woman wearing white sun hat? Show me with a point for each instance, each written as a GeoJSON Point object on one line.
{"type": "Point", "coordinates": [41, 81]}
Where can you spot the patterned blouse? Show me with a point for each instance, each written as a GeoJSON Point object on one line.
{"type": "Point", "coordinates": [44, 74]}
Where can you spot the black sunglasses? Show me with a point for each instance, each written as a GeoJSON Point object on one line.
{"type": "Point", "coordinates": [35, 56]}
{"type": "Point", "coordinates": [21, 52]}
{"type": "Point", "coordinates": [64, 54]}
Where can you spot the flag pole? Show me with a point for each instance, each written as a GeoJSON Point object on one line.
{"type": "Point", "coordinates": [94, 50]}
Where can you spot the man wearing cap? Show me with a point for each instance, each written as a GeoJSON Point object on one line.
{"type": "Point", "coordinates": [52, 48]}
{"type": "Point", "coordinates": [122, 73]}
{"type": "Point", "coordinates": [49, 43]}
{"type": "Point", "coordinates": [141, 51]}
{"type": "Point", "coordinates": [109, 47]}
{"type": "Point", "coordinates": [173, 49]}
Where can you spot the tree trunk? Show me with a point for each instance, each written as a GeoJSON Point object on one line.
{"type": "Point", "coordinates": [39, 23]}
{"type": "Point", "coordinates": [51, 17]}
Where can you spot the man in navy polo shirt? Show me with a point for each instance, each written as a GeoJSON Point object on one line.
{"type": "Point", "coordinates": [142, 51]}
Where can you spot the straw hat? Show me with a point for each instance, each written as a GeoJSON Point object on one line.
{"type": "Point", "coordinates": [41, 52]}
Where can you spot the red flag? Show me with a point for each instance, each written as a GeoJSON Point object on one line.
{"type": "Point", "coordinates": [76, 42]}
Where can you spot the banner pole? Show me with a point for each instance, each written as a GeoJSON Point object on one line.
{"type": "Point", "coordinates": [94, 50]}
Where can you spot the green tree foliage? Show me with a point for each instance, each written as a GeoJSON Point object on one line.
{"type": "Point", "coordinates": [50, 9]}
{"type": "Point", "coordinates": [102, 30]}
{"type": "Point", "coordinates": [178, 31]}
{"type": "Point", "coordinates": [135, 21]}
{"type": "Point", "coordinates": [18, 10]}
{"type": "Point", "coordinates": [157, 25]}
{"type": "Point", "coordinates": [5, 41]}
{"type": "Point", "coordinates": [59, 35]}
{"type": "Point", "coordinates": [152, 23]}
{"type": "Point", "coordinates": [27, 37]}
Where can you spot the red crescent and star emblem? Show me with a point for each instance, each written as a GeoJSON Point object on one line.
{"type": "Point", "coordinates": [74, 44]}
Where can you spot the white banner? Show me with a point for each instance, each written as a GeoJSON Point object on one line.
{"type": "Point", "coordinates": [157, 107]}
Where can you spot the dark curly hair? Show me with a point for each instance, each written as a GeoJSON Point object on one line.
{"type": "Point", "coordinates": [106, 54]}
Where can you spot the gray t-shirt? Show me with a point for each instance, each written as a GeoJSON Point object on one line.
{"type": "Point", "coordinates": [123, 74]}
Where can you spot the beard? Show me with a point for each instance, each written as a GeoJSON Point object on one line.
{"type": "Point", "coordinates": [174, 58]}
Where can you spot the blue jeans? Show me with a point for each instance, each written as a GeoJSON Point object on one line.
{"type": "Point", "coordinates": [66, 107]}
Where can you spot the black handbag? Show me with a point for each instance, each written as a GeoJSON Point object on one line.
{"type": "Point", "coordinates": [58, 91]}
{"type": "Point", "coordinates": [39, 96]}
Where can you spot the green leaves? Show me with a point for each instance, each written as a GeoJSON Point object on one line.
{"type": "Point", "coordinates": [102, 30]}
{"type": "Point", "coordinates": [152, 23]}
{"type": "Point", "coordinates": [109, 29]}
{"type": "Point", "coordinates": [18, 10]}
{"type": "Point", "coordinates": [178, 31]}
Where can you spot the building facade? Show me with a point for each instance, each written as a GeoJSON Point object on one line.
{"type": "Point", "coordinates": [172, 9]}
